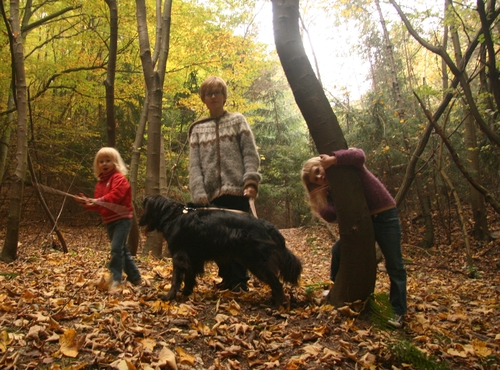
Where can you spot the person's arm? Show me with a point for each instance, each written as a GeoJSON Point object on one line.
{"type": "Point", "coordinates": [328, 213]}
{"type": "Point", "coordinates": [196, 184]}
{"type": "Point", "coordinates": [350, 157]}
{"type": "Point", "coordinates": [251, 160]}
{"type": "Point", "coordinates": [118, 190]}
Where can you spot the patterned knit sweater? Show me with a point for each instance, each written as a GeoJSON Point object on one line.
{"type": "Point", "coordinates": [377, 196]}
{"type": "Point", "coordinates": [223, 157]}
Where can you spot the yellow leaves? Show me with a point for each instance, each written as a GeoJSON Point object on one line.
{"type": "Point", "coordinates": [184, 357]}
{"type": "Point", "coordinates": [481, 348]}
{"type": "Point", "coordinates": [165, 272]}
{"type": "Point", "coordinates": [123, 365]}
{"type": "Point", "coordinates": [233, 308]}
{"type": "Point", "coordinates": [186, 310]}
{"type": "Point", "coordinates": [201, 328]}
{"type": "Point", "coordinates": [6, 304]}
{"type": "Point", "coordinates": [347, 311]}
{"type": "Point", "coordinates": [70, 344]}
{"type": "Point", "coordinates": [5, 340]}
{"type": "Point", "coordinates": [148, 343]}
{"type": "Point", "coordinates": [211, 329]}
{"type": "Point", "coordinates": [475, 348]}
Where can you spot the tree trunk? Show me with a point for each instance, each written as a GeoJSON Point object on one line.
{"type": "Point", "coordinates": [390, 53]}
{"type": "Point", "coordinates": [423, 197]}
{"type": "Point", "coordinates": [9, 251]}
{"type": "Point", "coordinates": [6, 137]}
{"type": "Point", "coordinates": [356, 277]}
{"type": "Point", "coordinates": [476, 199]}
{"type": "Point", "coordinates": [109, 83]}
{"type": "Point", "coordinates": [154, 74]}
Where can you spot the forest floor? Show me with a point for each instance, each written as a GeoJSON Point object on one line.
{"type": "Point", "coordinates": [56, 313]}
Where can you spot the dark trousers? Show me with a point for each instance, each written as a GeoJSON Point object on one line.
{"type": "Point", "coordinates": [233, 273]}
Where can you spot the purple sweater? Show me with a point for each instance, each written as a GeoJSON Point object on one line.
{"type": "Point", "coordinates": [377, 196]}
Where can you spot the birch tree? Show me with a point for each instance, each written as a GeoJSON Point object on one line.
{"type": "Point", "coordinates": [9, 251]}
{"type": "Point", "coordinates": [154, 75]}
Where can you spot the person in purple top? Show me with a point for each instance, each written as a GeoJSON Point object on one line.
{"type": "Point", "coordinates": [384, 214]}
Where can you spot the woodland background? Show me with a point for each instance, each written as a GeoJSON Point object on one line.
{"type": "Point", "coordinates": [66, 58]}
{"type": "Point", "coordinates": [432, 57]}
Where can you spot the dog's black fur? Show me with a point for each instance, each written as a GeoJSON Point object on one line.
{"type": "Point", "coordinates": [197, 235]}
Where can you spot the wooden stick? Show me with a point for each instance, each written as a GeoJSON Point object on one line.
{"type": "Point", "coordinates": [114, 207]}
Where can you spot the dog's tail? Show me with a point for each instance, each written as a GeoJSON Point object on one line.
{"type": "Point", "coordinates": [290, 266]}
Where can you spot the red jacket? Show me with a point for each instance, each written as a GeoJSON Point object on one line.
{"type": "Point", "coordinates": [114, 189]}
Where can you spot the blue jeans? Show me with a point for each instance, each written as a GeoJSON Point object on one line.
{"type": "Point", "coordinates": [121, 259]}
{"type": "Point", "coordinates": [387, 229]}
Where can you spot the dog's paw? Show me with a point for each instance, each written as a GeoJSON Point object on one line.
{"type": "Point", "coordinates": [167, 297]}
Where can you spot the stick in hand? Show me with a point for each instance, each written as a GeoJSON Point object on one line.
{"type": "Point", "coordinates": [114, 207]}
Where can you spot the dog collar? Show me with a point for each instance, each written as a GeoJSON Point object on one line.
{"type": "Point", "coordinates": [186, 209]}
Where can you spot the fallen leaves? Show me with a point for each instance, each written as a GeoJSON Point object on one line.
{"type": "Point", "coordinates": [70, 343]}
{"type": "Point", "coordinates": [55, 312]}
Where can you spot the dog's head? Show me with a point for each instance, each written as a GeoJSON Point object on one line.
{"type": "Point", "coordinates": [157, 210]}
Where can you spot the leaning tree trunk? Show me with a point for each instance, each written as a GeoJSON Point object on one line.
{"type": "Point", "coordinates": [9, 251]}
{"type": "Point", "coordinates": [356, 277]}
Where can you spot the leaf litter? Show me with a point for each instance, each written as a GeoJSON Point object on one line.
{"type": "Point", "coordinates": [56, 313]}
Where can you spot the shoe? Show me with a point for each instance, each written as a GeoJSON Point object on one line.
{"type": "Point", "coordinates": [137, 282]}
{"type": "Point", "coordinates": [115, 285]}
{"type": "Point", "coordinates": [397, 321]}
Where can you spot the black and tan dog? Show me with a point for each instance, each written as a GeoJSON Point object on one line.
{"type": "Point", "coordinates": [198, 235]}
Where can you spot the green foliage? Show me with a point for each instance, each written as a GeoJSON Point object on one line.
{"type": "Point", "coordinates": [409, 354]}
{"type": "Point", "coordinates": [282, 140]}
{"type": "Point", "coordinates": [405, 351]}
{"type": "Point", "coordinates": [66, 61]}
{"type": "Point", "coordinates": [381, 310]}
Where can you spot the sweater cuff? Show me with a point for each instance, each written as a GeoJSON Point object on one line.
{"type": "Point", "coordinates": [251, 183]}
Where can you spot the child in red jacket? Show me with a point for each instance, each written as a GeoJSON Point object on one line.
{"type": "Point", "coordinates": [113, 200]}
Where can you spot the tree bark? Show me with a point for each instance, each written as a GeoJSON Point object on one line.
{"type": "Point", "coordinates": [356, 277]}
{"type": "Point", "coordinates": [476, 200]}
{"type": "Point", "coordinates": [9, 251]}
{"type": "Point", "coordinates": [109, 83]}
{"type": "Point", "coordinates": [154, 74]}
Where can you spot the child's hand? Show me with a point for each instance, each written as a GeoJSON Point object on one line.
{"type": "Point", "coordinates": [327, 160]}
{"type": "Point", "coordinates": [84, 200]}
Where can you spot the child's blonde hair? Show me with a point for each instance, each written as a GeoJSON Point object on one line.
{"type": "Point", "coordinates": [115, 157]}
{"type": "Point", "coordinates": [315, 193]}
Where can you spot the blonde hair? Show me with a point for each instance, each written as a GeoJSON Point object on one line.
{"type": "Point", "coordinates": [116, 158]}
{"type": "Point", "coordinates": [211, 83]}
{"type": "Point", "coordinates": [316, 193]}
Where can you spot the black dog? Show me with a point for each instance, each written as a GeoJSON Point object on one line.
{"type": "Point", "coordinates": [198, 235]}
